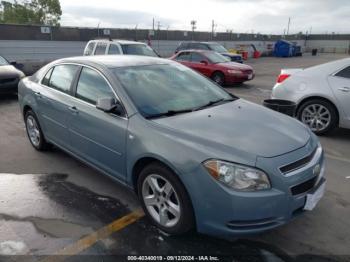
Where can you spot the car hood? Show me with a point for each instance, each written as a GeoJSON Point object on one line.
{"type": "Point", "coordinates": [243, 126]}
{"type": "Point", "coordinates": [234, 65]}
{"type": "Point", "coordinates": [9, 71]}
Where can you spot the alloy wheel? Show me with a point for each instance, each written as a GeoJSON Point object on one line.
{"type": "Point", "coordinates": [161, 200]}
{"type": "Point", "coordinates": [33, 131]}
{"type": "Point", "coordinates": [316, 116]}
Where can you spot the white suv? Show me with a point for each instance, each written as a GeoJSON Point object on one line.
{"type": "Point", "coordinates": [118, 47]}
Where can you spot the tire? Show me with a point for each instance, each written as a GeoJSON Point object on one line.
{"type": "Point", "coordinates": [34, 132]}
{"type": "Point", "coordinates": [218, 78]}
{"type": "Point", "coordinates": [314, 111]}
{"type": "Point", "coordinates": [158, 176]}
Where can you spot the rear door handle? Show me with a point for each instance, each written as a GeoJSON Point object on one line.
{"type": "Point", "coordinates": [344, 89]}
{"type": "Point", "coordinates": [73, 109]}
{"type": "Point", "coordinates": [38, 94]}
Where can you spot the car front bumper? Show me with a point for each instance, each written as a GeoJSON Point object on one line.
{"type": "Point", "coordinates": [9, 87]}
{"type": "Point", "coordinates": [239, 78]}
{"type": "Point", "coordinates": [224, 212]}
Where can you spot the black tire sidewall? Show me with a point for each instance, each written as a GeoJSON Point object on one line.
{"type": "Point", "coordinates": [43, 144]}
{"type": "Point", "coordinates": [329, 106]}
{"type": "Point", "coordinates": [186, 221]}
{"type": "Point", "coordinates": [222, 77]}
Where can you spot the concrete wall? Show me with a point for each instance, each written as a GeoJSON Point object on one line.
{"type": "Point", "coordinates": [329, 46]}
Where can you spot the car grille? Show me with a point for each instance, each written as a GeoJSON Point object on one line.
{"type": "Point", "coordinates": [304, 187]}
{"type": "Point", "coordinates": [298, 164]}
{"type": "Point", "coordinates": [7, 80]}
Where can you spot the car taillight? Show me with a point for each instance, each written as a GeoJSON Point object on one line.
{"type": "Point", "coordinates": [282, 77]}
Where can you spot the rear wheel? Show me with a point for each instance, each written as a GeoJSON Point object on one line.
{"type": "Point", "coordinates": [218, 78]}
{"type": "Point", "coordinates": [34, 132]}
{"type": "Point", "coordinates": [165, 200]}
{"type": "Point", "coordinates": [319, 115]}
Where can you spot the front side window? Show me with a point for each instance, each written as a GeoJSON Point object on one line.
{"type": "Point", "coordinates": [3, 61]}
{"type": "Point", "coordinates": [158, 89]}
{"type": "Point", "coordinates": [197, 58]}
{"type": "Point", "coordinates": [344, 73]}
{"type": "Point", "coordinates": [62, 77]}
{"type": "Point", "coordinates": [89, 48]}
{"type": "Point", "coordinates": [113, 50]}
{"type": "Point", "coordinates": [101, 49]}
{"type": "Point", "coordinates": [92, 86]}
{"type": "Point", "coordinates": [138, 49]}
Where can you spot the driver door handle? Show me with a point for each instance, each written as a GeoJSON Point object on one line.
{"type": "Point", "coordinates": [73, 109]}
{"type": "Point", "coordinates": [38, 94]}
{"type": "Point", "coordinates": [344, 89]}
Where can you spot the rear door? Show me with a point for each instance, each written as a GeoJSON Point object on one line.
{"type": "Point", "coordinates": [340, 84]}
{"type": "Point", "coordinates": [97, 136]}
{"type": "Point", "coordinates": [53, 102]}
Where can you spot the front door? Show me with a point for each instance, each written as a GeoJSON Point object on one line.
{"type": "Point", "coordinates": [97, 136]}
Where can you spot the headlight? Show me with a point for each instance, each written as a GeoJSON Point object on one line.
{"type": "Point", "coordinates": [238, 177]}
{"type": "Point", "coordinates": [234, 72]}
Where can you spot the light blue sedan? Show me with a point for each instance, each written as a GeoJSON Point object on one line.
{"type": "Point", "coordinates": [197, 156]}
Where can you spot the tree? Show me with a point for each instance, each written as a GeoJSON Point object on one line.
{"type": "Point", "coordinates": [43, 12]}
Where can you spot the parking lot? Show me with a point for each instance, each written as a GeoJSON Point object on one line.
{"type": "Point", "coordinates": [51, 204]}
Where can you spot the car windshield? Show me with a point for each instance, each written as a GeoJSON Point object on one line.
{"type": "Point", "coordinates": [138, 49]}
{"type": "Point", "coordinates": [218, 48]}
{"type": "Point", "coordinates": [216, 58]}
{"type": "Point", "coordinates": [3, 61]}
{"type": "Point", "coordinates": [162, 89]}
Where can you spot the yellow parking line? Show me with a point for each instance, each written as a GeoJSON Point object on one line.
{"type": "Point", "coordinates": [91, 239]}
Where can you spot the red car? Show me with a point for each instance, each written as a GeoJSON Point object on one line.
{"type": "Point", "coordinates": [215, 66]}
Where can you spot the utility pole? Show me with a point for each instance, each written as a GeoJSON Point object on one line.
{"type": "Point", "coordinates": [158, 32]}
{"type": "Point", "coordinates": [288, 26]}
{"type": "Point", "coordinates": [153, 25]}
{"type": "Point", "coordinates": [193, 25]}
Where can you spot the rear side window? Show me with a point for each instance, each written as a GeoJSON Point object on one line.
{"type": "Point", "coordinates": [89, 48]}
{"type": "Point", "coordinates": [62, 77]}
{"type": "Point", "coordinates": [47, 77]}
{"type": "Point", "coordinates": [199, 46]}
{"type": "Point", "coordinates": [113, 50]}
{"type": "Point", "coordinates": [101, 49]}
{"type": "Point", "coordinates": [182, 46]}
{"type": "Point", "coordinates": [185, 56]}
{"type": "Point", "coordinates": [92, 86]}
{"type": "Point", "coordinates": [344, 73]}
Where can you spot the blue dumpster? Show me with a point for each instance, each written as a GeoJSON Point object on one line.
{"type": "Point", "coordinates": [283, 48]}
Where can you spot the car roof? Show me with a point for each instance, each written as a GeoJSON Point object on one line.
{"type": "Point", "coordinates": [119, 41]}
{"type": "Point", "coordinates": [113, 61]}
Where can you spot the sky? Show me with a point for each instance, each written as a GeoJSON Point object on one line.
{"type": "Point", "coordinates": [240, 16]}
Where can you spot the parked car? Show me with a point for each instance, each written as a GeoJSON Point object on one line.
{"type": "Point", "coordinates": [322, 94]}
{"type": "Point", "coordinates": [9, 76]}
{"type": "Point", "coordinates": [195, 154]}
{"type": "Point", "coordinates": [118, 47]}
{"type": "Point", "coordinates": [215, 66]}
{"type": "Point", "coordinates": [209, 46]}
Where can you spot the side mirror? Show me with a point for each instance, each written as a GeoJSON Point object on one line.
{"type": "Point", "coordinates": [204, 62]}
{"type": "Point", "coordinates": [109, 105]}
{"type": "Point", "coordinates": [14, 63]}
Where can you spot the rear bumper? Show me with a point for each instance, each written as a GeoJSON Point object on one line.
{"type": "Point", "coordinates": [9, 88]}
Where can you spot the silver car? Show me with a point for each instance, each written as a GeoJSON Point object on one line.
{"type": "Point", "coordinates": [322, 94]}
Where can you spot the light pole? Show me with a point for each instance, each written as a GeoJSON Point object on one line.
{"type": "Point", "coordinates": [193, 25]}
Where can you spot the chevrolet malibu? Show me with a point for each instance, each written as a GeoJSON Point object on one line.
{"type": "Point", "coordinates": [197, 156]}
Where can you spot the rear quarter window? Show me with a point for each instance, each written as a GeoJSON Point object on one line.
{"type": "Point", "coordinates": [344, 73]}
{"type": "Point", "coordinates": [62, 77]}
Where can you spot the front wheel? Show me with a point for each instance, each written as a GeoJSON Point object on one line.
{"type": "Point", "coordinates": [218, 78]}
{"type": "Point", "coordinates": [165, 200]}
{"type": "Point", "coordinates": [319, 115]}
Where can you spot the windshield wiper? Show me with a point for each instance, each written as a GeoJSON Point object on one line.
{"type": "Point", "coordinates": [212, 103]}
{"type": "Point", "coordinates": [170, 113]}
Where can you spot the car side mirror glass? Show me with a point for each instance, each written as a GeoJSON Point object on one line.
{"type": "Point", "coordinates": [110, 105]}
{"type": "Point", "coordinates": [204, 62]}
